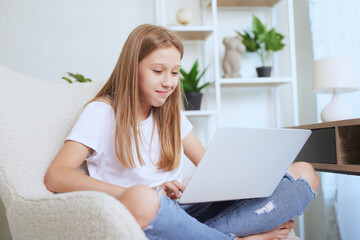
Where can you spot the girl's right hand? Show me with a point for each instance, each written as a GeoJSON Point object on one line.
{"type": "Point", "coordinates": [172, 189]}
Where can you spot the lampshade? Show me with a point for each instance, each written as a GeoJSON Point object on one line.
{"type": "Point", "coordinates": [335, 73]}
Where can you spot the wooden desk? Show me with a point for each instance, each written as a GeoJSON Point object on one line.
{"type": "Point", "coordinates": [333, 146]}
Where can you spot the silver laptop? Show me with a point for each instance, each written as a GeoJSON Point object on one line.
{"type": "Point", "coordinates": [242, 163]}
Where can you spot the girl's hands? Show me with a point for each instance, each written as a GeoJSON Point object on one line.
{"type": "Point", "coordinates": [172, 189]}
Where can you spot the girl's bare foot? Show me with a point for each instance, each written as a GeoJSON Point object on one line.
{"type": "Point", "coordinates": [277, 233]}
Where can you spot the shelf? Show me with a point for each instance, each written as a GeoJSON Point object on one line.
{"type": "Point", "coordinates": [192, 32]}
{"type": "Point", "coordinates": [200, 113]}
{"type": "Point", "coordinates": [245, 3]}
{"type": "Point", "coordinates": [345, 169]}
{"type": "Point", "coordinates": [320, 147]}
{"type": "Point", "coordinates": [333, 146]}
{"type": "Point", "coordinates": [264, 81]}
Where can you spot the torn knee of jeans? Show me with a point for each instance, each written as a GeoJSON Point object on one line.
{"type": "Point", "coordinates": [308, 184]}
{"type": "Point", "coordinates": [266, 209]}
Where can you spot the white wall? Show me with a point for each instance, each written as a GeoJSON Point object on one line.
{"type": "Point", "coordinates": [304, 63]}
{"type": "Point", "coordinates": [45, 39]}
{"type": "Point", "coordinates": [334, 36]}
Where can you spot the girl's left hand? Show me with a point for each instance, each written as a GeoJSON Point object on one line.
{"type": "Point", "coordinates": [173, 189]}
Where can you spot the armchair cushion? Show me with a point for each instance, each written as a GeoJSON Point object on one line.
{"type": "Point", "coordinates": [35, 118]}
{"type": "Point", "coordinates": [76, 215]}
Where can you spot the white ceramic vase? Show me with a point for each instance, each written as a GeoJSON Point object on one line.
{"type": "Point", "coordinates": [184, 16]}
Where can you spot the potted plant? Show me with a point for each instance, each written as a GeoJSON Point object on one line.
{"type": "Point", "coordinates": [190, 82]}
{"type": "Point", "coordinates": [263, 42]}
{"type": "Point", "coordinates": [78, 77]}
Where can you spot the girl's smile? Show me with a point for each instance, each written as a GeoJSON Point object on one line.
{"type": "Point", "coordinates": [163, 93]}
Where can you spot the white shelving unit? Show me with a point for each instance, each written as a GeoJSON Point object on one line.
{"type": "Point", "coordinates": [193, 32]}
{"type": "Point", "coordinates": [249, 82]}
{"type": "Point", "coordinates": [200, 113]}
{"type": "Point", "coordinates": [282, 84]}
{"type": "Point", "coordinates": [278, 80]}
{"type": "Point", "coordinates": [208, 28]}
{"type": "Point", "coordinates": [197, 34]}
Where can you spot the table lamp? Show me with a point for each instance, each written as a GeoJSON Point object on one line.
{"type": "Point", "coordinates": [335, 75]}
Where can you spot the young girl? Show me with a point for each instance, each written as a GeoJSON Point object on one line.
{"type": "Point", "coordinates": [134, 137]}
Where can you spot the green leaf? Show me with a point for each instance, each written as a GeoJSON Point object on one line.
{"type": "Point", "coordinates": [185, 79]}
{"type": "Point", "coordinates": [260, 40]}
{"type": "Point", "coordinates": [67, 79]}
{"type": "Point", "coordinates": [71, 75]}
{"type": "Point", "coordinates": [198, 80]}
{"type": "Point", "coordinates": [249, 42]}
{"type": "Point", "coordinates": [204, 85]}
{"type": "Point", "coordinates": [78, 77]}
{"type": "Point", "coordinates": [259, 29]}
{"type": "Point", "coordinates": [182, 71]}
{"type": "Point", "coordinates": [202, 74]}
{"type": "Point", "coordinates": [193, 73]}
{"type": "Point", "coordinates": [190, 80]}
{"type": "Point", "coordinates": [273, 41]}
{"type": "Point", "coordinates": [240, 34]}
{"type": "Point", "coordinates": [187, 87]}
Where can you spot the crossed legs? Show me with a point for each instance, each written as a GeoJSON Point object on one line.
{"type": "Point", "coordinates": [144, 203]}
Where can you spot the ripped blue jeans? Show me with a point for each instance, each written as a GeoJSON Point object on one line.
{"type": "Point", "coordinates": [225, 220]}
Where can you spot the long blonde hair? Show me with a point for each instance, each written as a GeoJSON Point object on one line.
{"type": "Point", "coordinates": [122, 88]}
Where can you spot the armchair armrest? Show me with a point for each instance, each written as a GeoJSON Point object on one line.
{"type": "Point", "coordinates": [75, 215]}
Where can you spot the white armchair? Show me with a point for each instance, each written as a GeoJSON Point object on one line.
{"type": "Point", "coordinates": [35, 117]}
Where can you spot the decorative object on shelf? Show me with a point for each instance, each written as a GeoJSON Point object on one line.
{"type": "Point", "coordinates": [335, 75]}
{"type": "Point", "coordinates": [78, 78]}
{"type": "Point", "coordinates": [184, 16]}
{"type": "Point", "coordinates": [263, 42]}
{"type": "Point", "coordinates": [190, 84]}
{"type": "Point", "coordinates": [234, 48]}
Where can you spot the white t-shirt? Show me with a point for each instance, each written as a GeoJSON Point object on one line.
{"type": "Point", "coordinates": [95, 128]}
